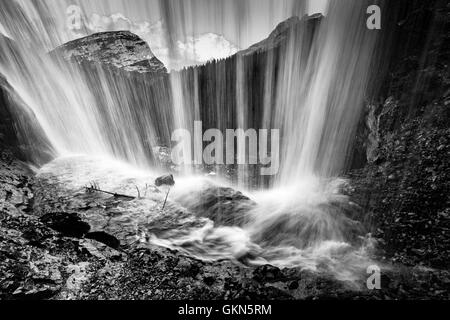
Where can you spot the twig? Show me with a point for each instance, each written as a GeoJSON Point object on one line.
{"type": "Point", "coordinates": [94, 187]}
{"type": "Point", "coordinates": [139, 192]}
{"type": "Point", "coordinates": [165, 201]}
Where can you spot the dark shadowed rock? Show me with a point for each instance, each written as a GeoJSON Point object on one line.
{"type": "Point", "coordinates": [120, 49]}
{"type": "Point", "coordinates": [104, 238]}
{"type": "Point", "coordinates": [19, 128]}
{"type": "Point", "coordinates": [68, 224]}
{"type": "Point", "coordinates": [167, 180]}
{"type": "Point", "coordinates": [267, 273]}
{"type": "Point", "coordinates": [293, 285]}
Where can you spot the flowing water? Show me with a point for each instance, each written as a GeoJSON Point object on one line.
{"type": "Point", "coordinates": [311, 87]}
{"type": "Point", "coordinates": [302, 227]}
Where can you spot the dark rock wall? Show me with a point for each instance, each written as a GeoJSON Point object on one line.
{"type": "Point", "coordinates": [19, 129]}
{"type": "Point", "coordinates": [405, 186]}
{"type": "Point", "coordinates": [7, 131]}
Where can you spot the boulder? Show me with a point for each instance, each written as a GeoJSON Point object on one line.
{"type": "Point", "coordinates": [166, 180]}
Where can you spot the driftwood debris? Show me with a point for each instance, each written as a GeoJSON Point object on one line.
{"type": "Point", "coordinates": [166, 180]}
{"type": "Point", "coordinates": [165, 200]}
{"type": "Point", "coordinates": [94, 187]}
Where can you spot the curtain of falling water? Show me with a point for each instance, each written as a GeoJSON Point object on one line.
{"type": "Point", "coordinates": [312, 91]}
{"type": "Point", "coordinates": [68, 108]}
{"type": "Point", "coordinates": [321, 93]}
{"type": "Point", "coordinates": [62, 111]}
{"type": "Point", "coordinates": [65, 103]}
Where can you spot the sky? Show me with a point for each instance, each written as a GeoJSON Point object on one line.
{"type": "Point", "coordinates": [179, 32]}
{"type": "Point", "coordinates": [243, 22]}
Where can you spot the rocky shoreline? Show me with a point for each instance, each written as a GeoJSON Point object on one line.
{"type": "Point", "coordinates": [41, 259]}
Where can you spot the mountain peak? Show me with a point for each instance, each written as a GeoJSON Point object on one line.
{"type": "Point", "coordinates": [281, 33]}
{"type": "Point", "coordinates": [120, 49]}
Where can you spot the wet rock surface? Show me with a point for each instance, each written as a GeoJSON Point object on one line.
{"type": "Point", "coordinates": [38, 262]}
{"type": "Point", "coordinates": [224, 206]}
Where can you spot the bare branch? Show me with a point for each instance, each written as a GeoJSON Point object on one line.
{"type": "Point", "coordinates": [94, 187]}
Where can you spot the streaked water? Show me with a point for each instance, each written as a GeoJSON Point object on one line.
{"type": "Point", "coordinates": [312, 90]}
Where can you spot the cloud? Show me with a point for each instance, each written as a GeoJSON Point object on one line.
{"type": "Point", "coordinates": [191, 51]}
{"type": "Point", "coordinates": [207, 47]}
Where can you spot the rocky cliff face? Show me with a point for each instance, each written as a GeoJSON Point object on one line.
{"type": "Point", "coordinates": [20, 132]}
{"type": "Point", "coordinates": [280, 35]}
{"type": "Point", "coordinates": [405, 186]}
{"type": "Point", "coordinates": [121, 49]}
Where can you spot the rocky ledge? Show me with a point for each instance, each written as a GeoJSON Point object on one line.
{"type": "Point", "coordinates": [120, 49]}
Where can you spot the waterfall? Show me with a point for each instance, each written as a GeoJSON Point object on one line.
{"type": "Point", "coordinates": [321, 94]}
{"type": "Point", "coordinates": [313, 91]}
{"type": "Point", "coordinates": [254, 64]}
